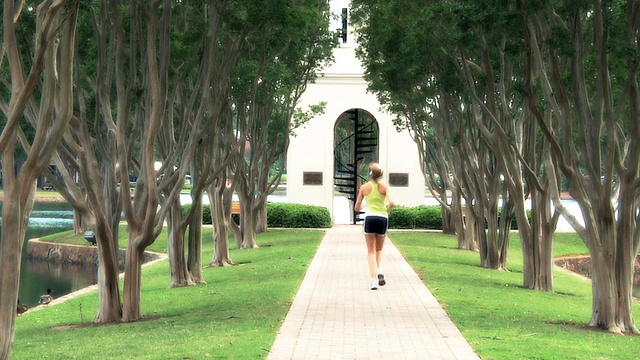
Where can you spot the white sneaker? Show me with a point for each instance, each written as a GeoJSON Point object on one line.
{"type": "Point", "coordinates": [374, 284]}
{"type": "Point", "coordinates": [381, 280]}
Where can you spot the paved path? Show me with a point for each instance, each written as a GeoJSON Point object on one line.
{"type": "Point", "coordinates": [336, 316]}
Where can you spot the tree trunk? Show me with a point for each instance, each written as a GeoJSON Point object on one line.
{"type": "Point", "coordinates": [537, 242]}
{"type": "Point", "coordinates": [109, 295]}
{"type": "Point", "coordinates": [612, 270]}
{"type": "Point", "coordinates": [237, 232]}
{"type": "Point", "coordinates": [56, 41]}
{"type": "Point", "coordinates": [504, 229]}
{"type": "Point", "coordinates": [108, 277]}
{"type": "Point", "coordinates": [11, 253]}
{"type": "Point", "coordinates": [194, 242]}
{"type": "Point", "coordinates": [605, 283]}
{"type": "Point", "coordinates": [604, 293]}
{"type": "Point", "coordinates": [471, 229]}
{"type": "Point", "coordinates": [176, 247]}
{"type": "Point", "coordinates": [248, 228]}
{"type": "Point", "coordinates": [132, 309]}
{"type": "Point", "coordinates": [464, 227]}
{"type": "Point", "coordinates": [220, 217]}
{"type": "Point", "coordinates": [261, 218]}
{"type": "Point", "coordinates": [453, 221]}
{"type": "Point", "coordinates": [492, 254]}
{"type": "Point", "coordinates": [79, 223]}
{"type": "Point", "coordinates": [247, 239]}
{"type": "Point", "coordinates": [491, 258]}
{"type": "Point", "coordinates": [625, 264]}
{"type": "Point", "coordinates": [450, 224]}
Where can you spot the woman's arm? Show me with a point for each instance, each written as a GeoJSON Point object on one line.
{"type": "Point", "coordinates": [362, 192]}
{"type": "Point", "coordinates": [388, 202]}
{"type": "Point", "coordinates": [358, 205]}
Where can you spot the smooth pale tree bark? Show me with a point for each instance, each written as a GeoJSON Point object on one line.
{"type": "Point", "coordinates": [211, 177]}
{"type": "Point", "coordinates": [480, 176]}
{"type": "Point", "coordinates": [432, 153]}
{"type": "Point", "coordinates": [216, 137]}
{"type": "Point", "coordinates": [88, 147]}
{"type": "Point", "coordinates": [419, 87]}
{"type": "Point", "coordinates": [220, 193]}
{"type": "Point", "coordinates": [505, 133]}
{"type": "Point", "coordinates": [281, 60]}
{"type": "Point", "coordinates": [97, 156]}
{"type": "Point", "coordinates": [194, 220]}
{"type": "Point", "coordinates": [102, 207]}
{"type": "Point", "coordinates": [594, 134]}
{"type": "Point", "coordinates": [220, 216]}
{"type": "Point", "coordinates": [436, 144]}
{"type": "Point", "coordinates": [537, 235]}
{"type": "Point", "coordinates": [179, 138]}
{"type": "Point", "coordinates": [180, 275]}
{"type": "Point", "coordinates": [178, 154]}
{"type": "Point", "coordinates": [434, 85]}
{"type": "Point", "coordinates": [55, 36]}
{"type": "Point", "coordinates": [194, 244]}
{"type": "Point", "coordinates": [144, 221]}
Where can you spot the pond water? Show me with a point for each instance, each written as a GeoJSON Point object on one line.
{"type": "Point", "coordinates": [38, 276]}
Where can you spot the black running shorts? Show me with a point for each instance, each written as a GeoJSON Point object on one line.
{"type": "Point", "coordinates": [375, 225]}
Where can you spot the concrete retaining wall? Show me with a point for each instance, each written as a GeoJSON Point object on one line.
{"type": "Point", "coordinates": [73, 254]}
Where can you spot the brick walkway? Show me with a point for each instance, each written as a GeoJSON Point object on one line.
{"type": "Point", "coordinates": [336, 316]}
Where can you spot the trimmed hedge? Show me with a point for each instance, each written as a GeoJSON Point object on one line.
{"type": "Point", "coordinates": [206, 213]}
{"type": "Point", "coordinates": [424, 217]}
{"type": "Point", "coordinates": [419, 217]}
{"type": "Point", "coordinates": [284, 215]}
{"type": "Point", "coordinates": [288, 215]}
{"type": "Point", "coordinates": [428, 217]}
{"type": "Point", "coordinates": [402, 217]}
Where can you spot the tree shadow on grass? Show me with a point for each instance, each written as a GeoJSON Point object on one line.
{"type": "Point", "coordinates": [92, 324]}
{"type": "Point", "coordinates": [575, 326]}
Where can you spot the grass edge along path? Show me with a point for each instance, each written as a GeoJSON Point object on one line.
{"type": "Point", "coordinates": [236, 315]}
{"type": "Point", "coordinates": [501, 319]}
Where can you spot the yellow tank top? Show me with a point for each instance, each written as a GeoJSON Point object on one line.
{"type": "Point", "coordinates": [375, 202]}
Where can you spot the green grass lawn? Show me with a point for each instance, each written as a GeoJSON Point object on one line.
{"type": "Point", "coordinates": [500, 318]}
{"type": "Point", "coordinates": [237, 314]}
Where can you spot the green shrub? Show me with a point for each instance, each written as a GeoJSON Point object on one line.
{"type": "Point", "coordinates": [288, 215]}
{"type": "Point", "coordinates": [425, 217]}
{"type": "Point", "coordinates": [282, 215]}
{"type": "Point", "coordinates": [206, 213]}
{"type": "Point", "coordinates": [402, 217]}
{"type": "Point", "coordinates": [428, 217]}
{"type": "Point", "coordinates": [276, 214]}
{"type": "Point", "coordinates": [514, 223]}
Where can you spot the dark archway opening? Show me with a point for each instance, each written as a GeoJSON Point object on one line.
{"type": "Point", "coordinates": [355, 145]}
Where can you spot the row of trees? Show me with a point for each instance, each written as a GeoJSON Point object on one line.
{"type": "Point", "coordinates": [511, 97]}
{"type": "Point", "coordinates": [106, 89]}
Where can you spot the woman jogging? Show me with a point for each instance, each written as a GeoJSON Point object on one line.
{"type": "Point", "coordinates": [376, 221]}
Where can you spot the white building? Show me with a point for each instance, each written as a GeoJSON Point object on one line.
{"type": "Point", "coordinates": [310, 158]}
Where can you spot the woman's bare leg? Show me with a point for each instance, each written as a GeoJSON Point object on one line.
{"type": "Point", "coordinates": [372, 255]}
{"type": "Point", "coordinates": [379, 245]}
{"type": "Point", "coordinates": [380, 239]}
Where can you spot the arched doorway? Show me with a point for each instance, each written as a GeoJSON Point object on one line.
{"type": "Point", "coordinates": [355, 139]}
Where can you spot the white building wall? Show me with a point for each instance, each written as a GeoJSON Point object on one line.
{"type": "Point", "coordinates": [343, 88]}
